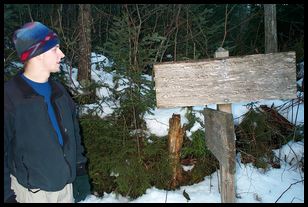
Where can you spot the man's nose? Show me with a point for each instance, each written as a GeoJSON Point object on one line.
{"type": "Point", "coordinates": [61, 54]}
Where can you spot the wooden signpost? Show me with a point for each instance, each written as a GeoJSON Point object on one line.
{"type": "Point", "coordinates": [220, 139]}
{"type": "Point", "coordinates": [225, 80]}
{"type": "Point", "coordinates": [225, 142]}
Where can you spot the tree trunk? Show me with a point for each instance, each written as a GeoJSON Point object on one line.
{"type": "Point", "coordinates": [270, 28]}
{"type": "Point", "coordinates": [84, 19]}
{"type": "Point", "coordinates": [175, 141]}
{"type": "Point", "coordinates": [243, 15]}
{"type": "Point", "coordinates": [56, 17]}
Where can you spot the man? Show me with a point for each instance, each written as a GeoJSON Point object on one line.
{"type": "Point", "coordinates": [42, 146]}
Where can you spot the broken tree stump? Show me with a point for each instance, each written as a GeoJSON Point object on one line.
{"type": "Point", "coordinates": [175, 141]}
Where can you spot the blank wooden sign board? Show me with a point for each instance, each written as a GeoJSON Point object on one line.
{"type": "Point", "coordinates": [223, 81]}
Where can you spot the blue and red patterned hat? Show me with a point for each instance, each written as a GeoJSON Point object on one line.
{"type": "Point", "coordinates": [33, 39]}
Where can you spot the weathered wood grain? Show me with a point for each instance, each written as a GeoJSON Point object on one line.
{"type": "Point", "coordinates": [219, 137]}
{"type": "Point", "coordinates": [222, 81]}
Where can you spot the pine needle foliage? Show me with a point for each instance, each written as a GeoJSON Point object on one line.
{"type": "Point", "coordinates": [205, 166]}
{"type": "Point", "coordinates": [205, 161]}
{"type": "Point", "coordinates": [100, 140]}
{"type": "Point", "coordinates": [191, 118]}
{"type": "Point", "coordinates": [197, 147]}
{"type": "Point", "coordinates": [131, 54]}
{"type": "Point", "coordinates": [156, 161]}
{"type": "Point", "coordinates": [115, 162]}
{"type": "Point", "coordinates": [132, 179]}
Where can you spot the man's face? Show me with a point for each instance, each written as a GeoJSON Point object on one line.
{"type": "Point", "coordinates": [51, 59]}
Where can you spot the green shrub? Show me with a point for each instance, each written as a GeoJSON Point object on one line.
{"type": "Point", "coordinates": [117, 164]}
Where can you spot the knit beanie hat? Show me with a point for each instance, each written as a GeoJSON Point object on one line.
{"type": "Point", "coordinates": [33, 39]}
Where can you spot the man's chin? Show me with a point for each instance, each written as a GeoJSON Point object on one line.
{"type": "Point", "coordinates": [55, 71]}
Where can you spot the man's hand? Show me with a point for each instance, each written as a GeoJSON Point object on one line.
{"type": "Point", "coordinates": [81, 187]}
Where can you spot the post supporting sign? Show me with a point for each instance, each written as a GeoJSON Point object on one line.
{"type": "Point", "coordinates": [220, 125]}
{"type": "Point", "coordinates": [227, 168]}
{"type": "Point", "coordinates": [222, 81]}
{"type": "Point", "coordinates": [220, 139]}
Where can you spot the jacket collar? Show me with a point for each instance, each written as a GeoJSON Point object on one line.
{"type": "Point", "coordinates": [28, 91]}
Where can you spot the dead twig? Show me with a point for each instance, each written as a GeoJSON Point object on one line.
{"type": "Point", "coordinates": [288, 189]}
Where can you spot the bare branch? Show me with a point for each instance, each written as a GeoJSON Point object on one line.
{"type": "Point", "coordinates": [29, 10]}
{"type": "Point", "coordinates": [288, 189]}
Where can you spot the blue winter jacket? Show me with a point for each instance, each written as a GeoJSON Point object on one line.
{"type": "Point", "coordinates": [32, 152]}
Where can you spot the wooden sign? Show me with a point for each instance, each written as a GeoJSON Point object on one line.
{"type": "Point", "coordinates": [223, 81]}
{"type": "Point", "coordinates": [219, 137]}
